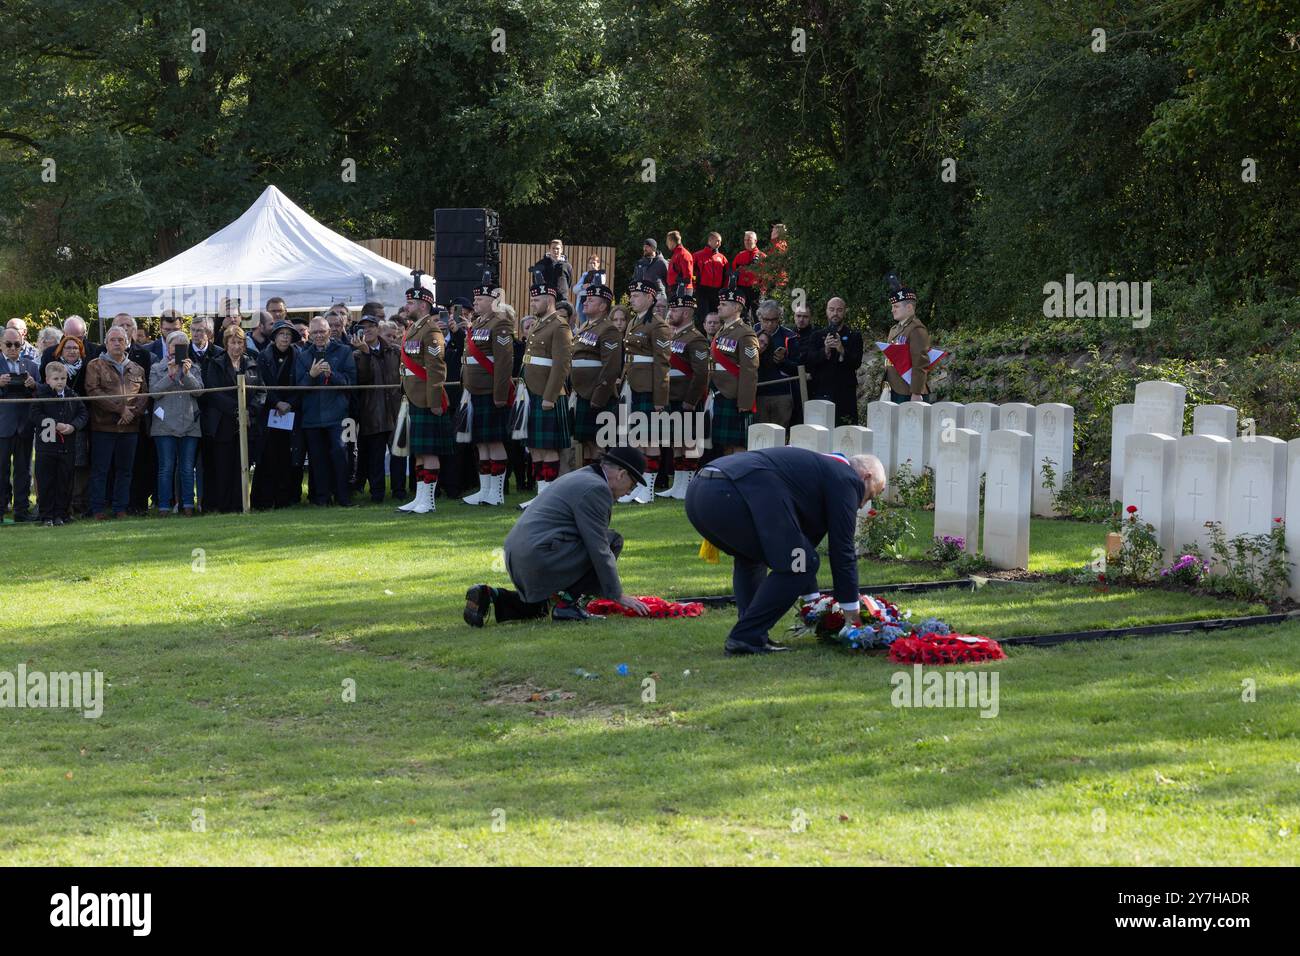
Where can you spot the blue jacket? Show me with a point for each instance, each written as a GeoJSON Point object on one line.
{"type": "Point", "coordinates": [328, 404]}
{"type": "Point", "coordinates": [798, 497]}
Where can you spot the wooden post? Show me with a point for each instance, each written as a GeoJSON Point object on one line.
{"type": "Point", "coordinates": [803, 384]}
{"type": "Point", "coordinates": [243, 442]}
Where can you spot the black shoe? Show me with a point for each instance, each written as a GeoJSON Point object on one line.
{"type": "Point", "coordinates": [49, 522]}
{"type": "Point", "coordinates": [26, 518]}
{"type": "Point", "coordinates": [59, 522]}
{"type": "Point", "coordinates": [737, 648]}
{"type": "Point", "coordinates": [571, 612]}
{"type": "Point", "coordinates": [478, 600]}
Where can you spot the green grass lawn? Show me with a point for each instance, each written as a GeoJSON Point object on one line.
{"type": "Point", "coordinates": [225, 704]}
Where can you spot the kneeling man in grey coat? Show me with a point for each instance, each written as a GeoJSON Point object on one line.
{"type": "Point", "coordinates": [562, 548]}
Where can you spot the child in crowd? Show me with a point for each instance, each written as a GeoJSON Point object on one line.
{"type": "Point", "coordinates": [55, 423]}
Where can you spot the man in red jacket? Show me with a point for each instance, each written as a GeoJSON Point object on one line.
{"type": "Point", "coordinates": [681, 264]}
{"type": "Point", "coordinates": [746, 278]}
{"type": "Point", "coordinates": [710, 276]}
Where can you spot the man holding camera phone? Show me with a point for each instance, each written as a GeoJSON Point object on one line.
{"type": "Point", "coordinates": [834, 363]}
{"type": "Point", "coordinates": [18, 378]}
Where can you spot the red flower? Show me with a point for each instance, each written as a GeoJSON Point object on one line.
{"type": "Point", "coordinates": [1131, 509]}
{"type": "Point", "coordinates": [871, 513]}
{"type": "Point", "coordinates": [1102, 577]}
{"type": "Point", "coordinates": [1278, 520]}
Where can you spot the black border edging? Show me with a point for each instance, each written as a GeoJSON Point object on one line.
{"type": "Point", "coordinates": [721, 600]}
{"type": "Point", "coordinates": [1150, 630]}
{"type": "Point", "coordinates": [1065, 637]}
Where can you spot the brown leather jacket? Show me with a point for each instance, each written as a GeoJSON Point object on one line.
{"type": "Point", "coordinates": [647, 343]}
{"type": "Point", "coordinates": [737, 344]}
{"type": "Point", "coordinates": [547, 357]}
{"type": "Point", "coordinates": [102, 378]}
{"type": "Point", "coordinates": [378, 407]}
{"type": "Point", "coordinates": [597, 361]}
{"type": "Point", "coordinates": [494, 335]}
{"type": "Point", "coordinates": [689, 348]}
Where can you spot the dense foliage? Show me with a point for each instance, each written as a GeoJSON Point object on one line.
{"type": "Point", "coordinates": [834, 116]}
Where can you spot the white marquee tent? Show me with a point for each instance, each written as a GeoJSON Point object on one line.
{"type": "Point", "coordinates": [273, 249]}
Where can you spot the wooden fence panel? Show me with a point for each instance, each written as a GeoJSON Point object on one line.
{"type": "Point", "coordinates": [517, 258]}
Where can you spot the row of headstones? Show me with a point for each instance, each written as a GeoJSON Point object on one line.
{"type": "Point", "coordinates": [921, 435]}
{"type": "Point", "coordinates": [1180, 482]}
{"type": "Point", "coordinates": [913, 433]}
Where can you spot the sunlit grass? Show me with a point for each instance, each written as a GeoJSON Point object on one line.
{"type": "Point", "coordinates": [226, 706]}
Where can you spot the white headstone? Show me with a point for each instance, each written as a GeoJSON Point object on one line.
{"type": "Point", "coordinates": [1007, 495]}
{"type": "Point", "coordinates": [765, 435]}
{"type": "Point", "coordinates": [1149, 463]}
{"type": "Point", "coordinates": [812, 437]}
{"type": "Point", "coordinates": [1218, 420]}
{"type": "Point", "coordinates": [1016, 416]}
{"type": "Point", "coordinates": [1053, 439]}
{"type": "Point", "coordinates": [1293, 513]}
{"type": "Point", "coordinates": [1121, 426]}
{"type": "Point", "coordinates": [943, 415]}
{"type": "Point", "coordinates": [819, 412]}
{"type": "Point", "coordinates": [851, 440]}
{"type": "Point", "coordinates": [912, 446]}
{"type": "Point", "coordinates": [882, 419]}
{"type": "Point", "coordinates": [1158, 407]}
{"type": "Point", "coordinates": [1200, 488]}
{"type": "Point", "coordinates": [982, 417]}
{"type": "Point", "coordinates": [957, 488]}
{"type": "Point", "coordinates": [1256, 485]}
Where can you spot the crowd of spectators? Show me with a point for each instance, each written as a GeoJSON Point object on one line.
{"type": "Point", "coordinates": [160, 433]}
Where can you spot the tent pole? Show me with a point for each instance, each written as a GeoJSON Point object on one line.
{"type": "Point", "coordinates": [243, 441]}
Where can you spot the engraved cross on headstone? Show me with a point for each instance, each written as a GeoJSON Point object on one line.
{"type": "Point", "coordinates": [1142, 491]}
{"type": "Point", "coordinates": [1196, 495]}
{"type": "Point", "coordinates": [1001, 485]}
{"type": "Point", "coordinates": [1250, 498]}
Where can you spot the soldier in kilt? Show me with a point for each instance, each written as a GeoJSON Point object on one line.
{"type": "Point", "coordinates": [734, 375]}
{"type": "Point", "coordinates": [486, 373]}
{"type": "Point", "coordinates": [688, 383]}
{"type": "Point", "coordinates": [424, 375]}
{"type": "Point", "coordinates": [596, 367]}
{"type": "Point", "coordinates": [647, 345]}
{"type": "Point", "coordinates": [545, 369]}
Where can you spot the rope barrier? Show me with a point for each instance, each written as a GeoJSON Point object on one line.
{"type": "Point", "coordinates": [256, 386]}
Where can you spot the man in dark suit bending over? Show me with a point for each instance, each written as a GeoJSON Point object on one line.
{"type": "Point", "coordinates": [770, 509]}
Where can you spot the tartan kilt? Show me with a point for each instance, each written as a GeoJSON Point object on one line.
{"type": "Point", "coordinates": [585, 414]}
{"type": "Point", "coordinates": [730, 424]}
{"type": "Point", "coordinates": [547, 429]}
{"type": "Point", "coordinates": [432, 434]}
{"type": "Point", "coordinates": [488, 423]}
{"type": "Point", "coordinates": [642, 402]}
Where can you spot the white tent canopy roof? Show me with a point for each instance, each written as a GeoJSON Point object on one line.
{"type": "Point", "coordinates": [273, 249]}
